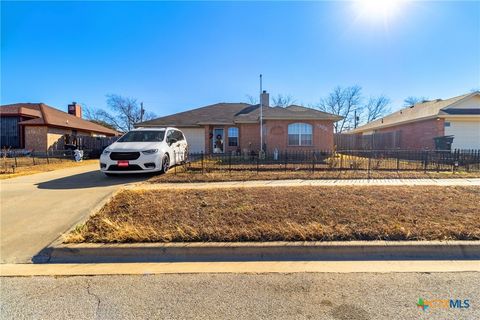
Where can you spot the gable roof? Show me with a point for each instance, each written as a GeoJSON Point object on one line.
{"type": "Point", "coordinates": [231, 113]}
{"type": "Point", "coordinates": [49, 116]}
{"type": "Point", "coordinates": [417, 112]}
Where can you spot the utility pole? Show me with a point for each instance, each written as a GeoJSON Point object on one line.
{"type": "Point", "coordinates": [142, 111]}
{"type": "Point", "coordinates": [261, 116]}
{"type": "Point", "coordinates": [355, 118]}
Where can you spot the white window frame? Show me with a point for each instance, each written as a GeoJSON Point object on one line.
{"type": "Point", "coordinates": [233, 136]}
{"type": "Point", "coordinates": [301, 128]}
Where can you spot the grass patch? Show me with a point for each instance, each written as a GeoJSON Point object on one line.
{"type": "Point", "coordinates": [287, 213]}
{"type": "Point", "coordinates": [181, 176]}
{"type": "Point", "coordinates": [8, 172]}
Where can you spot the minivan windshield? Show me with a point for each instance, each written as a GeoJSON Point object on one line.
{"type": "Point", "coordinates": [143, 136]}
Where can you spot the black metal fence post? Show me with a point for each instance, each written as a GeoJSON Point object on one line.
{"type": "Point", "coordinates": [258, 160]}
{"type": "Point", "coordinates": [48, 161]}
{"type": "Point", "coordinates": [313, 162]}
{"type": "Point", "coordinates": [369, 165]}
{"type": "Point", "coordinates": [286, 160]}
{"type": "Point", "coordinates": [425, 166]}
{"type": "Point", "coordinates": [230, 162]}
{"type": "Point", "coordinates": [203, 166]}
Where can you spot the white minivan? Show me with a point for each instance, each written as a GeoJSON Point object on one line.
{"type": "Point", "coordinates": [145, 150]}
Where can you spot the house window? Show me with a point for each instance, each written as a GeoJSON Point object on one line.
{"type": "Point", "coordinates": [233, 137]}
{"type": "Point", "coordinates": [300, 134]}
{"type": "Point", "coordinates": [447, 124]}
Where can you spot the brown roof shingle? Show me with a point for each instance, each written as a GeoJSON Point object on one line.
{"type": "Point", "coordinates": [230, 113]}
{"type": "Point", "coordinates": [49, 116]}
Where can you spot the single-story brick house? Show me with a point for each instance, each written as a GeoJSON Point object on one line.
{"type": "Point", "coordinates": [39, 127]}
{"type": "Point", "coordinates": [235, 127]}
{"type": "Point", "coordinates": [419, 124]}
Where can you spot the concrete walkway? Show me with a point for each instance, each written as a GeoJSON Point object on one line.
{"type": "Point", "coordinates": [37, 209]}
{"type": "Point", "coordinates": [297, 183]}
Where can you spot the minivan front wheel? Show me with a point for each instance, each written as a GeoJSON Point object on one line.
{"type": "Point", "coordinates": [165, 163]}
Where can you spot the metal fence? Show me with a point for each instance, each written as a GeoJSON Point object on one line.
{"type": "Point", "coordinates": [369, 160]}
{"type": "Point", "coordinates": [12, 159]}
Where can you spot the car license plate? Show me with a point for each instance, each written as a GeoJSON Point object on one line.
{"type": "Point", "coordinates": [122, 163]}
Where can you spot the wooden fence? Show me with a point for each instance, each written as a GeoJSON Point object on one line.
{"type": "Point", "coordinates": [375, 141]}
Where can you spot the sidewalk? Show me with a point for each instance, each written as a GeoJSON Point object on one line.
{"type": "Point", "coordinates": [298, 183]}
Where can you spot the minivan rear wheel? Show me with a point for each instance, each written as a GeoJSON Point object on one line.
{"type": "Point", "coordinates": [165, 163]}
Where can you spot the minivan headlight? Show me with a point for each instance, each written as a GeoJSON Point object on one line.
{"type": "Point", "coordinates": [151, 151]}
{"type": "Point", "coordinates": [105, 151]}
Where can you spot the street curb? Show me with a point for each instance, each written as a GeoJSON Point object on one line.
{"type": "Point", "coordinates": [264, 251]}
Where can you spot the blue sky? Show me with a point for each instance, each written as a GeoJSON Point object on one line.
{"type": "Point", "coordinates": [177, 56]}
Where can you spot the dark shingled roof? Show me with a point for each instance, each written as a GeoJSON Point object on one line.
{"type": "Point", "coordinates": [49, 116]}
{"type": "Point", "coordinates": [231, 113]}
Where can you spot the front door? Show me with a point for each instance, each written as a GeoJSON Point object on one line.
{"type": "Point", "coordinates": [218, 140]}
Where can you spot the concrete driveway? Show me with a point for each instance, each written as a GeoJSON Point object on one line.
{"type": "Point", "coordinates": [37, 209]}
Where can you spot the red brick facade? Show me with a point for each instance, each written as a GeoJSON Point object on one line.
{"type": "Point", "coordinates": [418, 135]}
{"type": "Point", "coordinates": [275, 136]}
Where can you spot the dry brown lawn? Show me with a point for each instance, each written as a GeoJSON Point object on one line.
{"type": "Point", "coordinates": [287, 213]}
{"type": "Point", "coordinates": [7, 172]}
{"type": "Point", "coordinates": [180, 176]}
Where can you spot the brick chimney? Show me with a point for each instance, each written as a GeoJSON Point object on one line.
{"type": "Point", "coordinates": [265, 98]}
{"type": "Point", "coordinates": [75, 109]}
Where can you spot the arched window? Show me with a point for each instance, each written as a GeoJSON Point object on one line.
{"type": "Point", "coordinates": [233, 137]}
{"type": "Point", "coordinates": [300, 134]}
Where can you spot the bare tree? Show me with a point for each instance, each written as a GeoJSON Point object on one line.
{"type": "Point", "coordinates": [377, 107]}
{"type": "Point", "coordinates": [99, 116]}
{"type": "Point", "coordinates": [252, 99]}
{"type": "Point", "coordinates": [127, 112]}
{"type": "Point", "coordinates": [410, 101]}
{"type": "Point", "coordinates": [283, 100]}
{"type": "Point", "coordinates": [343, 102]}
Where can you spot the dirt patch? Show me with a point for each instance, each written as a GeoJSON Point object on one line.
{"type": "Point", "coordinates": [287, 214]}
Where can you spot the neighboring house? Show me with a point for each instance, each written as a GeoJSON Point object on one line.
{"type": "Point", "coordinates": [419, 124]}
{"type": "Point", "coordinates": [235, 127]}
{"type": "Point", "coordinates": [36, 126]}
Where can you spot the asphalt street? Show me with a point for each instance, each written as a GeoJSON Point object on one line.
{"type": "Point", "coordinates": [353, 296]}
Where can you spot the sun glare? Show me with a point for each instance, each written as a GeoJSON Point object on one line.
{"type": "Point", "coordinates": [378, 9]}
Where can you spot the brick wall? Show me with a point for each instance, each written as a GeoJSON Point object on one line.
{"type": "Point", "coordinates": [418, 135]}
{"type": "Point", "coordinates": [277, 135]}
{"type": "Point", "coordinates": [42, 138]}
{"type": "Point", "coordinates": [249, 136]}
{"type": "Point", "coordinates": [36, 138]}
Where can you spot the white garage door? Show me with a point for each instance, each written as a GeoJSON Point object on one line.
{"type": "Point", "coordinates": [195, 138]}
{"type": "Point", "coordinates": [466, 134]}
